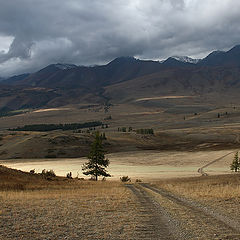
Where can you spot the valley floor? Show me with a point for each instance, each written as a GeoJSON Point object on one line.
{"type": "Point", "coordinates": [145, 165]}
{"type": "Point", "coordinates": [75, 209]}
{"type": "Point", "coordinates": [173, 201]}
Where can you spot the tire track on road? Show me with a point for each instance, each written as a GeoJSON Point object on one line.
{"type": "Point", "coordinates": [155, 222]}
{"type": "Point", "coordinates": [203, 219]}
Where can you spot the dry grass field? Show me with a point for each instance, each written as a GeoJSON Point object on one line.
{"type": "Point", "coordinates": [220, 187]}
{"type": "Point", "coordinates": [221, 193]}
{"type": "Point", "coordinates": [35, 208]}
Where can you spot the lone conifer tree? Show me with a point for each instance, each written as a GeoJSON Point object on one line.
{"type": "Point", "coordinates": [97, 162]}
{"type": "Point", "coordinates": [235, 165]}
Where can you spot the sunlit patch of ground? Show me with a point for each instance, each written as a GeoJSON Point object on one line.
{"type": "Point", "coordinates": [137, 165]}
{"type": "Point", "coordinates": [51, 109]}
{"type": "Point", "coordinates": [162, 97]}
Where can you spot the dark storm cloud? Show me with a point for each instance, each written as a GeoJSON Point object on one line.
{"type": "Point", "coordinates": [96, 31]}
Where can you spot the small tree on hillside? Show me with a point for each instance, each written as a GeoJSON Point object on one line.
{"type": "Point", "coordinates": [97, 161]}
{"type": "Point", "coordinates": [235, 165]}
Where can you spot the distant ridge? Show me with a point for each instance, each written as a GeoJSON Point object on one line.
{"type": "Point", "coordinates": [121, 80]}
{"type": "Point", "coordinates": [221, 58]}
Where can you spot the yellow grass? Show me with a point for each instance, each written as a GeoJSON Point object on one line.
{"type": "Point", "coordinates": [70, 189]}
{"type": "Point", "coordinates": [220, 187]}
{"type": "Point", "coordinates": [74, 208]}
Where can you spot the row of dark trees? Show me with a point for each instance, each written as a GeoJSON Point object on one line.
{"type": "Point", "coordinates": [124, 129]}
{"type": "Point", "coordinates": [145, 131]}
{"type": "Point", "coordinates": [51, 127]}
{"type": "Point", "coordinates": [138, 131]}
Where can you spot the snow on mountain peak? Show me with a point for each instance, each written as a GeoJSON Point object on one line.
{"type": "Point", "coordinates": [186, 59]}
{"type": "Point", "coordinates": [65, 66]}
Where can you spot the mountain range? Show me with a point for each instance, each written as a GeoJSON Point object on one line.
{"type": "Point", "coordinates": [122, 80]}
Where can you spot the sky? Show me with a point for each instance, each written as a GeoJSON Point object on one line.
{"type": "Point", "coordinates": [36, 33]}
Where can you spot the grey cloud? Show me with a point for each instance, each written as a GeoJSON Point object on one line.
{"type": "Point", "coordinates": [91, 32]}
{"type": "Point", "coordinates": [20, 48]}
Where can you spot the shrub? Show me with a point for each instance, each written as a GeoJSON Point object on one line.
{"type": "Point", "coordinates": [122, 129]}
{"type": "Point", "coordinates": [69, 175]}
{"type": "Point", "coordinates": [103, 136]}
{"type": "Point", "coordinates": [125, 179]}
{"type": "Point", "coordinates": [92, 178]}
{"type": "Point", "coordinates": [138, 180]}
{"type": "Point", "coordinates": [32, 171]}
{"type": "Point", "coordinates": [108, 118]}
{"type": "Point", "coordinates": [48, 173]}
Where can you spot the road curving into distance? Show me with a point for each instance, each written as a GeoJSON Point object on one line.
{"type": "Point", "coordinates": [201, 169]}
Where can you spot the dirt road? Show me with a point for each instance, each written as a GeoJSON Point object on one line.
{"type": "Point", "coordinates": [168, 216]}
{"type": "Point", "coordinates": [154, 219]}
{"type": "Point", "coordinates": [201, 171]}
